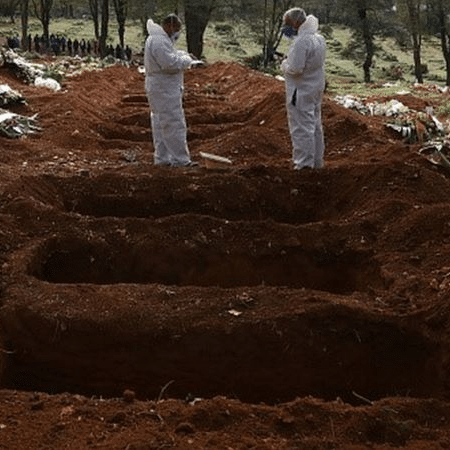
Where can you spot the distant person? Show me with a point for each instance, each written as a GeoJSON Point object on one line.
{"type": "Point", "coordinates": [55, 45]}
{"type": "Point", "coordinates": [164, 66]}
{"type": "Point", "coordinates": [304, 73]}
{"type": "Point", "coordinates": [83, 47]}
{"type": "Point", "coordinates": [118, 52]}
{"type": "Point", "coordinates": [37, 43]}
{"type": "Point", "coordinates": [75, 46]}
{"type": "Point", "coordinates": [45, 43]}
{"type": "Point", "coordinates": [13, 42]}
{"type": "Point", "coordinates": [63, 42]}
{"type": "Point", "coordinates": [128, 53]}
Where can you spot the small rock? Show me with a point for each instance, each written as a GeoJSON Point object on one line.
{"type": "Point", "coordinates": [129, 396]}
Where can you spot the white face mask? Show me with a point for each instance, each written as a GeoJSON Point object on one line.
{"type": "Point", "coordinates": [174, 36]}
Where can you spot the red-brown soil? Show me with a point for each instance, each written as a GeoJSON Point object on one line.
{"type": "Point", "coordinates": [252, 307]}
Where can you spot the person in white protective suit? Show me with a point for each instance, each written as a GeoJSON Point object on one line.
{"type": "Point", "coordinates": [304, 73]}
{"type": "Point", "coordinates": [164, 66]}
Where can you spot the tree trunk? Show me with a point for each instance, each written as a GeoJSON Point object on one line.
{"type": "Point", "coordinates": [447, 60]}
{"type": "Point", "coordinates": [93, 6]}
{"type": "Point", "coordinates": [368, 43]}
{"type": "Point", "coordinates": [42, 9]}
{"type": "Point", "coordinates": [269, 44]}
{"type": "Point", "coordinates": [46, 18]}
{"type": "Point", "coordinates": [121, 32]}
{"type": "Point", "coordinates": [104, 28]}
{"type": "Point", "coordinates": [120, 6]}
{"type": "Point", "coordinates": [417, 58]}
{"type": "Point", "coordinates": [265, 31]}
{"type": "Point", "coordinates": [196, 14]}
{"type": "Point", "coordinates": [414, 19]}
{"type": "Point", "coordinates": [445, 39]}
{"type": "Point", "coordinates": [24, 20]}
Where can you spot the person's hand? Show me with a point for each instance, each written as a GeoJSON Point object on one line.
{"type": "Point", "coordinates": [197, 63]}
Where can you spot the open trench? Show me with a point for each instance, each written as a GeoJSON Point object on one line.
{"type": "Point", "coordinates": [177, 282]}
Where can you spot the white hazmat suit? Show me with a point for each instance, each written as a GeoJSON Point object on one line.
{"type": "Point", "coordinates": [164, 66]}
{"type": "Point", "coordinates": [304, 73]}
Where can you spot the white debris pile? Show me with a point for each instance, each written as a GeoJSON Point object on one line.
{"type": "Point", "coordinates": [30, 72]}
{"type": "Point", "coordinates": [14, 125]}
{"type": "Point", "coordinates": [9, 96]}
{"type": "Point", "coordinates": [47, 75]}
{"type": "Point", "coordinates": [391, 108]}
{"type": "Point", "coordinates": [414, 126]}
{"type": "Point", "coordinates": [76, 65]}
{"type": "Point", "coordinates": [388, 109]}
{"type": "Point", "coordinates": [437, 152]}
{"type": "Point", "coordinates": [419, 127]}
{"type": "Point", "coordinates": [49, 83]}
{"type": "Point", "coordinates": [24, 69]}
{"type": "Point", "coordinates": [352, 102]}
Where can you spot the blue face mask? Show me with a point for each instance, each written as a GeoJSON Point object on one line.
{"type": "Point", "coordinates": [288, 31]}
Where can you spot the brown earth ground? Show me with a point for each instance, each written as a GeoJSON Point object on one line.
{"type": "Point", "coordinates": [249, 307]}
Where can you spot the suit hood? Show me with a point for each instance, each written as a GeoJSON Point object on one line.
{"type": "Point", "coordinates": [154, 29]}
{"type": "Point", "coordinates": [310, 25]}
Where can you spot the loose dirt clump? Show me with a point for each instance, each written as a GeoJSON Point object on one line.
{"type": "Point", "coordinates": [248, 307]}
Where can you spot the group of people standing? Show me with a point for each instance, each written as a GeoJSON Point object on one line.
{"type": "Point", "coordinates": [60, 45]}
{"type": "Point", "coordinates": [304, 74]}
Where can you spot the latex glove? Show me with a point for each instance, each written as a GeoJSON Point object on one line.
{"type": "Point", "coordinates": [197, 63]}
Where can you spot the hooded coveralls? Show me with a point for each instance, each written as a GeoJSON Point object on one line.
{"type": "Point", "coordinates": [164, 66]}
{"type": "Point", "coordinates": [304, 73]}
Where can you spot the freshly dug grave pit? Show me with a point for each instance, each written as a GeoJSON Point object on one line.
{"type": "Point", "coordinates": [260, 311]}
{"type": "Point", "coordinates": [254, 194]}
{"type": "Point", "coordinates": [334, 269]}
{"type": "Point", "coordinates": [258, 345]}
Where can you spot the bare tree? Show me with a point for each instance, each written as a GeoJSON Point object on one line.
{"type": "Point", "coordinates": [272, 22]}
{"type": "Point", "coordinates": [412, 9]}
{"type": "Point", "coordinates": [104, 27]}
{"type": "Point", "coordinates": [121, 9]}
{"type": "Point", "coordinates": [366, 19]}
{"type": "Point", "coordinates": [197, 14]}
{"type": "Point", "coordinates": [443, 12]}
{"type": "Point", "coordinates": [42, 10]}
{"type": "Point", "coordinates": [368, 37]}
{"type": "Point", "coordinates": [24, 4]}
{"type": "Point", "coordinates": [94, 8]}
{"type": "Point", "coordinates": [8, 8]}
{"type": "Point", "coordinates": [371, 19]}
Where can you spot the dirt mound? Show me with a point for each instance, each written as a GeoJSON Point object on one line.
{"type": "Point", "coordinates": [249, 307]}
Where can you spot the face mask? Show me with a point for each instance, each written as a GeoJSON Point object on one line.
{"type": "Point", "coordinates": [288, 31]}
{"type": "Point", "coordinates": [174, 36]}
